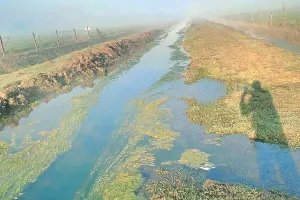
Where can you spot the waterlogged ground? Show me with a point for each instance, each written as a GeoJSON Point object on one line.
{"type": "Point", "coordinates": [129, 138]}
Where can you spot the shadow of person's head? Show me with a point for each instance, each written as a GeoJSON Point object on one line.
{"type": "Point", "coordinates": [256, 85]}
{"type": "Point", "coordinates": [264, 116]}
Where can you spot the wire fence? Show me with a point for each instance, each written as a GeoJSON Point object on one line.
{"type": "Point", "coordinates": [35, 48]}
{"type": "Point", "coordinates": [282, 17]}
{"type": "Point", "coordinates": [36, 41]}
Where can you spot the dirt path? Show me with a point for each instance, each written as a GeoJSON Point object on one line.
{"type": "Point", "coordinates": [272, 114]}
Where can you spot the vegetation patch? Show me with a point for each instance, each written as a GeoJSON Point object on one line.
{"type": "Point", "coordinates": [119, 177]}
{"type": "Point", "coordinates": [3, 147]}
{"type": "Point", "coordinates": [179, 58]}
{"type": "Point", "coordinates": [193, 158]}
{"type": "Point", "coordinates": [177, 184]}
{"type": "Point", "coordinates": [263, 83]}
{"type": "Point", "coordinates": [215, 141]}
{"type": "Point", "coordinates": [23, 167]}
{"type": "Point", "coordinates": [218, 190]}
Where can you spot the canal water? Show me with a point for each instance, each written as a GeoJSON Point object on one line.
{"type": "Point", "coordinates": [69, 174]}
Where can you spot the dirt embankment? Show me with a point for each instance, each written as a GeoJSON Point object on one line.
{"type": "Point", "coordinates": [290, 34]}
{"type": "Point", "coordinates": [21, 89]}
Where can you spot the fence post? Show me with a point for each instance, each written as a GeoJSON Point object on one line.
{"type": "Point", "coordinates": [98, 33]}
{"type": "Point", "coordinates": [260, 18]}
{"type": "Point", "coordinates": [2, 47]}
{"type": "Point", "coordinates": [75, 35]}
{"type": "Point", "coordinates": [252, 17]}
{"type": "Point", "coordinates": [284, 17]}
{"type": "Point", "coordinates": [271, 19]}
{"type": "Point", "coordinates": [35, 43]}
{"type": "Point", "coordinates": [88, 32]}
{"type": "Point", "coordinates": [57, 40]}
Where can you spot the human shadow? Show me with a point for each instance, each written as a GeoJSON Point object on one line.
{"type": "Point", "coordinates": [264, 116]}
{"type": "Point", "coordinates": [275, 163]}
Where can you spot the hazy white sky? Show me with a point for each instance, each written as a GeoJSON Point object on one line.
{"type": "Point", "coordinates": [22, 16]}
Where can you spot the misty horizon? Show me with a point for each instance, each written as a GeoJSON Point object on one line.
{"type": "Point", "coordinates": [20, 17]}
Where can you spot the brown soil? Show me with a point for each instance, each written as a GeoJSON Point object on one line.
{"type": "Point", "coordinates": [20, 89]}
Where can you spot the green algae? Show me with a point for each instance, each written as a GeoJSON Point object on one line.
{"type": "Point", "coordinates": [178, 57]}
{"type": "Point", "coordinates": [20, 168]}
{"type": "Point", "coordinates": [121, 177]}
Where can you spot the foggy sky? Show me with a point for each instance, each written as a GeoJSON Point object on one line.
{"type": "Point", "coordinates": [26, 16]}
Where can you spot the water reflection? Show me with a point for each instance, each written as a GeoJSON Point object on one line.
{"type": "Point", "coordinates": [275, 163]}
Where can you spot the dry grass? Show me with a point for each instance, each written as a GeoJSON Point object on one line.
{"type": "Point", "coordinates": [224, 54]}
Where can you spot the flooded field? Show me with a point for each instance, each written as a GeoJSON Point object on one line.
{"type": "Point", "coordinates": [118, 138]}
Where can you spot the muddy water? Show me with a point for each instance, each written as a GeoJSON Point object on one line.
{"type": "Point", "coordinates": [237, 160]}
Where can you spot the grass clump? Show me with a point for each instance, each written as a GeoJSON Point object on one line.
{"type": "Point", "coordinates": [218, 190]}
{"type": "Point", "coordinates": [3, 147]}
{"type": "Point", "coordinates": [176, 184]}
{"type": "Point", "coordinates": [193, 158]}
{"type": "Point", "coordinates": [241, 61]}
{"type": "Point", "coordinates": [219, 117]}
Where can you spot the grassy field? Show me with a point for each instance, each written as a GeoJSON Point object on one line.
{"type": "Point", "coordinates": [268, 110]}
